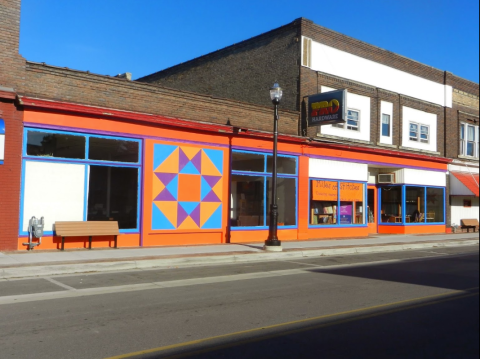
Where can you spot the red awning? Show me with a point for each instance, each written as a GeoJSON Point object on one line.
{"type": "Point", "coordinates": [469, 180]}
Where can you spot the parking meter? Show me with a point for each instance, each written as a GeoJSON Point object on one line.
{"type": "Point", "coordinates": [35, 229]}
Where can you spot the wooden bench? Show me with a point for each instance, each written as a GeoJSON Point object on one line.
{"type": "Point", "coordinates": [469, 223]}
{"type": "Point", "coordinates": [86, 229]}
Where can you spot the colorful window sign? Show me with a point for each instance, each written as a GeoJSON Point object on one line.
{"type": "Point", "coordinates": [2, 141]}
{"type": "Point", "coordinates": [324, 191]}
{"type": "Point", "coordinates": [351, 192]}
{"type": "Point", "coordinates": [328, 191]}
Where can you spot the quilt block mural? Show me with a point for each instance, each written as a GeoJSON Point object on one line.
{"type": "Point", "coordinates": [187, 188]}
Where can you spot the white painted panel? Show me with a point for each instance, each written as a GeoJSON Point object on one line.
{"type": "Point", "coordinates": [459, 212]}
{"type": "Point", "coordinates": [424, 178]}
{"type": "Point", "coordinates": [354, 102]}
{"type": "Point", "coordinates": [457, 188]}
{"type": "Point", "coordinates": [55, 191]}
{"type": "Point", "coordinates": [2, 147]}
{"type": "Point", "coordinates": [343, 64]}
{"type": "Point", "coordinates": [338, 170]}
{"type": "Point", "coordinates": [387, 109]}
{"type": "Point", "coordinates": [422, 118]}
{"type": "Point", "coordinates": [448, 96]}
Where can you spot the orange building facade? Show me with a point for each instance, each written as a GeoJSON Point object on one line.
{"type": "Point", "coordinates": [173, 182]}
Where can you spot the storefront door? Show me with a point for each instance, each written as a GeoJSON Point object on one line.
{"type": "Point", "coordinates": [372, 212]}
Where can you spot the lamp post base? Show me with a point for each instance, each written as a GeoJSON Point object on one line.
{"type": "Point", "coordinates": [273, 245]}
{"type": "Point", "coordinates": [273, 248]}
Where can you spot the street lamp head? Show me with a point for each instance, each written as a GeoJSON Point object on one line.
{"type": "Point", "coordinates": [276, 93]}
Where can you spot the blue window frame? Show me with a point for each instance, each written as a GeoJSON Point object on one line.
{"type": "Point", "coordinates": [337, 203]}
{"type": "Point", "coordinates": [112, 181]}
{"type": "Point", "coordinates": [411, 205]}
{"type": "Point", "coordinates": [251, 180]}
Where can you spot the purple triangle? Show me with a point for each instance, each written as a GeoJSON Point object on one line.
{"type": "Point", "coordinates": [183, 161]}
{"type": "Point", "coordinates": [212, 180]}
{"type": "Point", "coordinates": [197, 161]}
{"type": "Point", "coordinates": [182, 215]}
{"type": "Point", "coordinates": [211, 197]}
{"type": "Point", "coordinates": [165, 196]}
{"type": "Point", "coordinates": [195, 215]}
{"type": "Point", "coordinates": [166, 178]}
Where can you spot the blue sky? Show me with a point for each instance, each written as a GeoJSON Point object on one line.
{"type": "Point", "coordinates": [144, 36]}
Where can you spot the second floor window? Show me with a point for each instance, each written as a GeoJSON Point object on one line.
{"type": "Point", "coordinates": [385, 125]}
{"type": "Point", "coordinates": [419, 133]}
{"type": "Point", "coordinates": [353, 121]}
{"type": "Point", "coordinates": [468, 140]}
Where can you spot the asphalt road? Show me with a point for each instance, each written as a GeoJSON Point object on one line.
{"type": "Point", "coordinates": [414, 304]}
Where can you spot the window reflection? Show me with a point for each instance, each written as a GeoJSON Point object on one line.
{"type": "Point", "coordinates": [106, 149]}
{"type": "Point", "coordinates": [49, 144]}
{"type": "Point", "coordinates": [247, 201]}
{"type": "Point", "coordinates": [248, 162]}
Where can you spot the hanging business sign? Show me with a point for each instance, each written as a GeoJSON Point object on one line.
{"type": "Point", "coordinates": [327, 108]}
{"type": "Point", "coordinates": [2, 141]}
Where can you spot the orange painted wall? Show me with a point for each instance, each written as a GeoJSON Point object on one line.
{"type": "Point", "coordinates": [422, 229]}
{"type": "Point", "coordinates": [51, 243]}
{"type": "Point", "coordinates": [262, 235]}
{"type": "Point", "coordinates": [211, 141]}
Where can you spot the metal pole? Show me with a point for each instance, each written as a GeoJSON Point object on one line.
{"type": "Point", "coordinates": [272, 240]}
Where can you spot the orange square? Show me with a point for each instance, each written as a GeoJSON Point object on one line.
{"type": "Point", "coordinates": [189, 188]}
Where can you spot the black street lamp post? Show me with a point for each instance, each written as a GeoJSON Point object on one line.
{"type": "Point", "coordinates": [272, 243]}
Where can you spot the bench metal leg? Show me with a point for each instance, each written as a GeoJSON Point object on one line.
{"type": "Point", "coordinates": [116, 242]}
{"type": "Point", "coordinates": [90, 242]}
{"type": "Point", "coordinates": [63, 243]}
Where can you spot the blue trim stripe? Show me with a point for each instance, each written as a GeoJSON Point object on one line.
{"type": "Point", "coordinates": [87, 163]}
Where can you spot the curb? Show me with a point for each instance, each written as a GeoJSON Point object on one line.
{"type": "Point", "coordinates": [105, 266]}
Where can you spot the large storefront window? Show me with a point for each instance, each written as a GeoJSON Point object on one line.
{"type": "Point", "coordinates": [415, 204]}
{"type": "Point", "coordinates": [435, 205]}
{"type": "Point", "coordinates": [391, 205]}
{"type": "Point", "coordinates": [337, 203]}
{"type": "Point", "coordinates": [99, 174]}
{"type": "Point", "coordinates": [412, 204]}
{"type": "Point", "coordinates": [251, 190]}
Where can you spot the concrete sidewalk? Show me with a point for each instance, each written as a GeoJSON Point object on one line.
{"type": "Point", "coordinates": [38, 263]}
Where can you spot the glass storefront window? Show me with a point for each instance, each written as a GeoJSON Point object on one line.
{"type": "Point", "coordinates": [248, 193]}
{"type": "Point", "coordinates": [285, 165]}
{"type": "Point", "coordinates": [415, 205]}
{"type": "Point", "coordinates": [106, 149]}
{"type": "Point", "coordinates": [248, 162]}
{"type": "Point", "coordinates": [423, 205]}
{"type": "Point", "coordinates": [52, 144]}
{"type": "Point", "coordinates": [324, 203]}
{"type": "Point", "coordinates": [391, 204]}
{"type": "Point", "coordinates": [435, 205]}
{"type": "Point", "coordinates": [351, 203]}
{"type": "Point", "coordinates": [326, 209]}
{"type": "Point", "coordinates": [113, 195]}
{"type": "Point", "coordinates": [286, 200]}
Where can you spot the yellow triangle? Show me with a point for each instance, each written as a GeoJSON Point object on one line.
{"type": "Point", "coordinates": [208, 168]}
{"type": "Point", "coordinates": [218, 189]}
{"type": "Point", "coordinates": [190, 152]}
{"type": "Point", "coordinates": [170, 165]}
{"type": "Point", "coordinates": [188, 224]}
{"type": "Point", "coordinates": [157, 186]}
{"type": "Point", "coordinates": [206, 211]}
{"type": "Point", "coordinates": [170, 210]}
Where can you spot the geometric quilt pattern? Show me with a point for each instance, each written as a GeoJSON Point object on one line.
{"type": "Point", "coordinates": [187, 188]}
